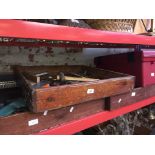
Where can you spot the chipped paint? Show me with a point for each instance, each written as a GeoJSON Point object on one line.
{"type": "Point", "coordinates": [31, 57]}
{"type": "Point", "coordinates": [49, 51]}
{"type": "Point", "coordinates": [50, 56]}
{"type": "Point", "coordinates": [73, 50]}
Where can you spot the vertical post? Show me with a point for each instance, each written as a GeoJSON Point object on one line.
{"type": "Point", "coordinates": [138, 48]}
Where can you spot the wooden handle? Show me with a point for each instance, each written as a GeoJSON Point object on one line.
{"type": "Point", "coordinates": [79, 78]}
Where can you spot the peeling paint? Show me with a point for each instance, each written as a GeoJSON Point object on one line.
{"type": "Point", "coordinates": [73, 50]}
{"type": "Point", "coordinates": [53, 56]}
{"type": "Point", "coordinates": [49, 51]}
{"type": "Point", "coordinates": [37, 51]}
{"type": "Point", "coordinates": [31, 57]}
{"type": "Point", "coordinates": [74, 59]}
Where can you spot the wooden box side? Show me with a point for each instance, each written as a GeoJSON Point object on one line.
{"type": "Point", "coordinates": [54, 70]}
{"type": "Point", "coordinates": [57, 97]}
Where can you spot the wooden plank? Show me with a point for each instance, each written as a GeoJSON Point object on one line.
{"type": "Point", "coordinates": [136, 95]}
{"type": "Point", "coordinates": [19, 123]}
{"type": "Point", "coordinates": [62, 96]}
{"type": "Point", "coordinates": [139, 27]}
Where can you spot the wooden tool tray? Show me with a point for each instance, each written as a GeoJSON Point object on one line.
{"type": "Point", "coordinates": [103, 83]}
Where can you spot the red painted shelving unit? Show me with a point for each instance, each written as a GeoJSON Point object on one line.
{"type": "Point", "coordinates": [33, 30]}
{"type": "Point", "coordinates": [54, 35]}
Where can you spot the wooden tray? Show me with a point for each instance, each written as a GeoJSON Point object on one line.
{"type": "Point", "coordinates": [137, 94]}
{"type": "Point", "coordinates": [30, 123]}
{"type": "Point", "coordinates": [40, 99]}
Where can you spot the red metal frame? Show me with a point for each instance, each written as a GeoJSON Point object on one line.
{"type": "Point", "coordinates": [34, 30]}
{"type": "Point", "coordinates": [46, 44]}
{"type": "Point", "coordinates": [87, 122]}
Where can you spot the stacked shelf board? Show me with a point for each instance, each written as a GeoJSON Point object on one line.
{"type": "Point", "coordinates": [12, 30]}
{"type": "Point", "coordinates": [92, 120]}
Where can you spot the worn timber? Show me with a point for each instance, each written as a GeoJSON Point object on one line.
{"type": "Point", "coordinates": [55, 97]}
{"type": "Point", "coordinates": [136, 95]}
{"type": "Point", "coordinates": [20, 123]}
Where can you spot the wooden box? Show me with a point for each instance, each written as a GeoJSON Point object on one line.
{"type": "Point", "coordinates": [136, 95]}
{"type": "Point", "coordinates": [106, 83]}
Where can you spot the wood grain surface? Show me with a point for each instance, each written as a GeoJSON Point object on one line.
{"type": "Point", "coordinates": [137, 94]}
{"type": "Point", "coordinates": [19, 123]}
{"type": "Point", "coordinates": [54, 97]}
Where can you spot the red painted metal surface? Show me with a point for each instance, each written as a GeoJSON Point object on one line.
{"type": "Point", "coordinates": [84, 123]}
{"type": "Point", "coordinates": [33, 30]}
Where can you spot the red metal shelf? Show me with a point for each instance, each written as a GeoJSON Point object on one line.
{"type": "Point", "coordinates": [40, 31]}
{"type": "Point", "coordinates": [87, 122]}
{"type": "Point", "coordinates": [34, 30]}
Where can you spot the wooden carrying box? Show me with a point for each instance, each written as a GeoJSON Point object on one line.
{"type": "Point", "coordinates": [30, 123]}
{"type": "Point", "coordinates": [136, 95]}
{"type": "Point", "coordinates": [106, 83]}
{"type": "Point", "coordinates": [139, 64]}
